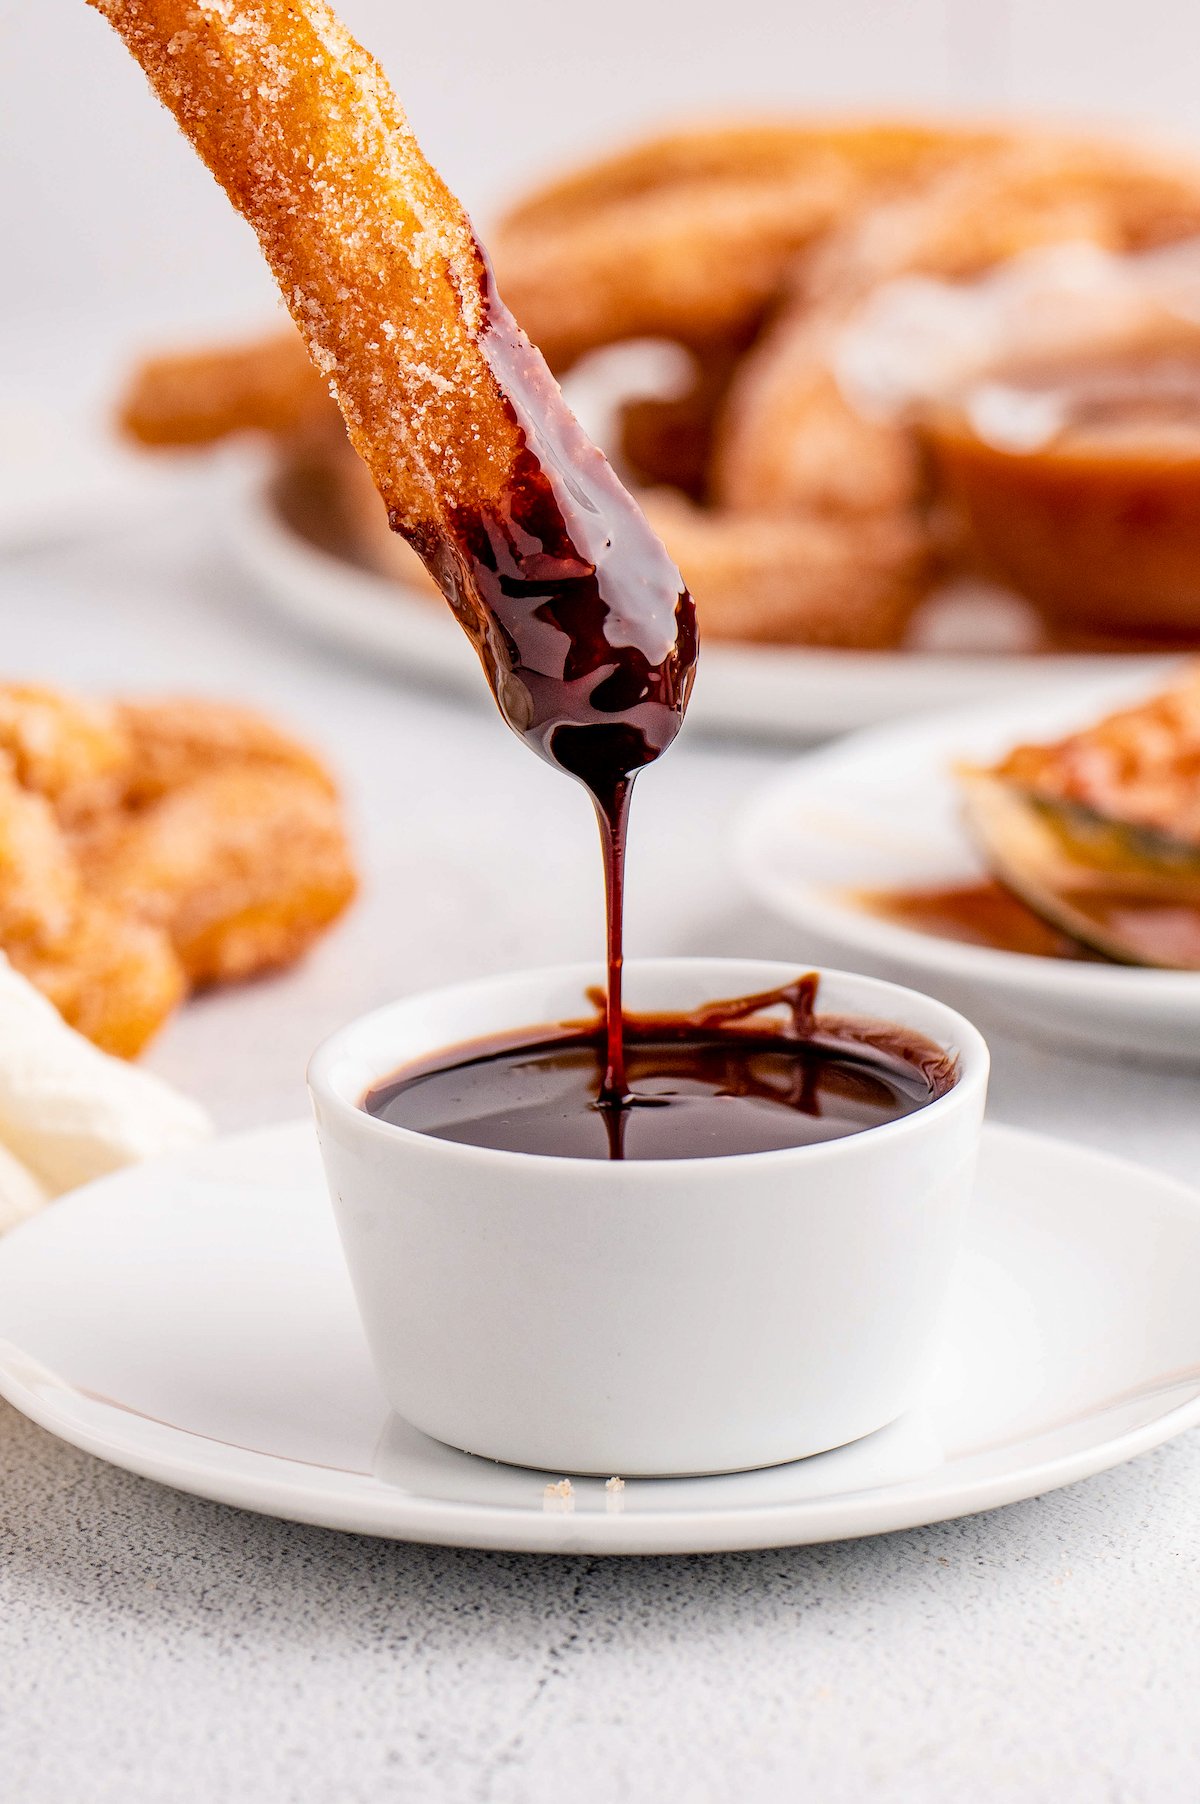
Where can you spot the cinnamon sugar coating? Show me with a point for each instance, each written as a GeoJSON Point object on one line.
{"type": "Point", "coordinates": [151, 846]}
{"type": "Point", "coordinates": [374, 257]}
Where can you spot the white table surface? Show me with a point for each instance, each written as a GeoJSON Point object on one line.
{"type": "Point", "coordinates": [155, 1647]}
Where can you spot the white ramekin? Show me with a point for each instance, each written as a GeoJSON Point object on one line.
{"type": "Point", "coordinates": [653, 1317]}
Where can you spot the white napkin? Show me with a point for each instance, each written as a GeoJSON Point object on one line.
{"type": "Point", "coordinates": [69, 1112]}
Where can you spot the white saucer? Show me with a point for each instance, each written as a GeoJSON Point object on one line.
{"type": "Point", "coordinates": [192, 1321]}
{"type": "Point", "coordinates": [779, 691]}
{"type": "Point", "coordinates": [879, 811]}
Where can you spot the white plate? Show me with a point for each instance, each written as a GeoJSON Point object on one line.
{"type": "Point", "coordinates": [778, 691]}
{"type": "Point", "coordinates": [879, 811]}
{"type": "Point", "coordinates": [192, 1321]}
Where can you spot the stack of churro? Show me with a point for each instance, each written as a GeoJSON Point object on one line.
{"type": "Point", "coordinates": [797, 515]}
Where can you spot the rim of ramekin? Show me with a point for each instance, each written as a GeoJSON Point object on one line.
{"type": "Point", "coordinates": [958, 1034]}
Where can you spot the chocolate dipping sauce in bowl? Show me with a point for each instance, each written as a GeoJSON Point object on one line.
{"type": "Point", "coordinates": [742, 1262]}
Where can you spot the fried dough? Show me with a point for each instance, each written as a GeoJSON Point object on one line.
{"type": "Point", "coordinates": [689, 236]}
{"type": "Point", "coordinates": [788, 440]}
{"type": "Point", "coordinates": [242, 868]}
{"type": "Point", "coordinates": [150, 846]}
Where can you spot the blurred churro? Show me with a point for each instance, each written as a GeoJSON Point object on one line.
{"type": "Point", "coordinates": [789, 440]}
{"type": "Point", "coordinates": [242, 866]}
{"type": "Point", "coordinates": [803, 580]}
{"type": "Point", "coordinates": [149, 846]}
{"type": "Point", "coordinates": [197, 397]}
{"type": "Point", "coordinates": [689, 236]}
{"type": "Point", "coordinates": [173, 740]}
{"type": "Point", "coordinates": [754, 247]}
{"type": "Point", "coordinates": [73, 752]}
{"type": "Point", "coordinates": [114, 979]}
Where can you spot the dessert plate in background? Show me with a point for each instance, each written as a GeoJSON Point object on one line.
{"type": "Point", "coordinates": [192, 1321]}
{"type": "Point", "coordinates": [780, 691]}
{"type": "Point", "coordinates": [880, 812]}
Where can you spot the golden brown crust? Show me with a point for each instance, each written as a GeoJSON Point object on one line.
{"type": "Point", "coordinates": [73, 752]}
{"type": "Point", "coordinates": [1041, 189]}
{"type": "Point", "coordinates": [242, 866]}
{"type": "Point", "coordinates": [373, 255]}
{"type": "Point", "coordinates": [1139, 766]}
{"type": "Point", "coordinates": [149, 845]}
{"type": "Point", "coordinates": [196, 397]}
{"type": "Point", "coordinates": [39, 883]}
{"type": "Point", "coordinates": [174, 740]}
{"type": "Point", "coordinates": [110, 977]}
{"type": "Point", "coordinates": [113, 978]}
{"type": "Point", "coordinates": [789, 440]}
{"type": "Point", "coordinates": [794, 581]}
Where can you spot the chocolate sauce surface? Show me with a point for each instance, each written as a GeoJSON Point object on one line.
{"type": "Point", "coordinates": [581, 621]}
{"type": "Point", "coordinates": [727, 1078]}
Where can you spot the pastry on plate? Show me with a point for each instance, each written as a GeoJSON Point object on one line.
{"type": "Point", "coordinates": [1099, 832]}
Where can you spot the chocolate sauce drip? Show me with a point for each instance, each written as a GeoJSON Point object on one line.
{"type": "Point", "coordinates": [580, 619]}
{"type": "Point", "coordinates": [726, 1078]}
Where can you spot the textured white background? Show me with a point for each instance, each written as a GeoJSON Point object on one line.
{"type": "Point", "coordinates": [157, 1648]}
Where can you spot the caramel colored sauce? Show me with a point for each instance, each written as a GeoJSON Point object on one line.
{"type": "Point", "coordinates": [983, 913]}
{"type": "Point", "coordinates": [1095, 515]}
{"type": "Point", "coordinates": [1165, 934]}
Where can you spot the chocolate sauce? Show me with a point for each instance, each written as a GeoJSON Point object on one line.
{"type": "Point", "coordinates": [726, 1078]}
{"type": "Point", "coordinates": [580, 619]}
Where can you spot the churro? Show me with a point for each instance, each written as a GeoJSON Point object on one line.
{"type": "Point", "coordinates": [181, 398]}
{"type": "Point", "coordinates": [579, 617]}
{"type": "Point", "coordinates": [72, 751]}
{"type": "Point", "coordinates": [789, 440]}
{"type": "Point", "coordinates": [242, 866]}
{"type": "Point", "coordinates": [173, 740]}
{"type": "Point", "coordinates": [689, 236]}
{"type": "Point", "coordinates": [803, 580]}
{"type": "Point", "coordinates": [114, 979]}
{"type": "Point", "coordinates": [151, 846]}
{"type": "Point", "coordinates": [480, 464]}
{"type": "Point", "coordinates": [375, 259]}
